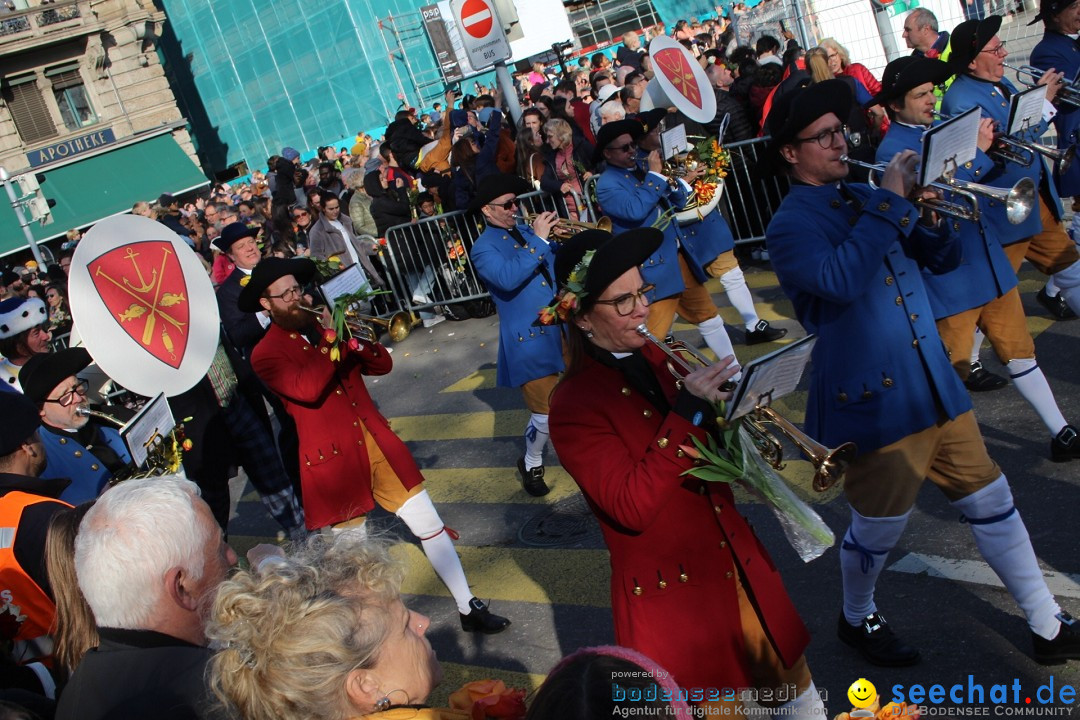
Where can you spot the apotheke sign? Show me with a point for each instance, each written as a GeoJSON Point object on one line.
{"type": "Point", "coordinates": [70, 147]}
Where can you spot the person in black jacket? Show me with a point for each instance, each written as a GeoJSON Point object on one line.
{"type": "Point", "coordinates": [405, 139]}
{"type": "Point", "coordinates": [389, 205]}
{"type": "Point", "coordinates": [472, 159]}
{"type": "Point", "coordinates": [738, 126]}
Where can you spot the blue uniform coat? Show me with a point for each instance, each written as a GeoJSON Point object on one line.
{"type": "Point", "coordinates": [967, 92]}
{"type": "Point", "coordinates": [984, 272]}
{"type": "Point", "coordinates": [512, 273]}
{"type": "Point", "coordinates": [880, 371]}
{"type": "Point", "coordinates": [1062, 53]}
{"type": "Point", "coordinates": [68, 458]}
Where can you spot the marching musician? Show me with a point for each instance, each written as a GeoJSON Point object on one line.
{"type": "Point", "coordinates": [1060, 49]}
{"type": "Point", "coordinates": [516, 263]}
{"type": "Point", "coordinates": [983, 290]}
{"type": "Point", "coordinates": [979, 55]}
{"type": "Point", "coordinates": [677, 544]}
{"type": "Point", "coordinates": [709, 248]}
{"type": "Point", "coordinates": [849, 258]}
{"type": "Point", "coordinates": [350, 458]}
{"type": "Point", "coordinates": [77, 446]}
{"type": "Point", "coordinates": [634, 197]}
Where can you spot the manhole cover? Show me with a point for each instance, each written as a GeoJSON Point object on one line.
{"type": "Point", "coordinates": [567, 522]}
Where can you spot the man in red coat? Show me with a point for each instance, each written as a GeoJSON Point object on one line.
{"type": "Point", "coordinates": [349, 457]}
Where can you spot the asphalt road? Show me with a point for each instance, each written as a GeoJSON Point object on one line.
{"type": "Point", "coordinates": [541, 562]}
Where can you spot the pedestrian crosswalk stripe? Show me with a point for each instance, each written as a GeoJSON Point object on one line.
{"type": "Point", "coordinates": [480, 380]}
{"type": "Point", "coordinates": [459, 426]}
{"type": "Point", "coordinates": [493, 485]}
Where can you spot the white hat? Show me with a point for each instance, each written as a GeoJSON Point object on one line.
{"type": "Point", "coordinates": [607, 92]}
{"type": "Point", "coordinates": [19, 314]}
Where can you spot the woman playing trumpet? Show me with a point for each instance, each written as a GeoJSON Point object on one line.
{"type": "Point", "coordinates": [677, 545]}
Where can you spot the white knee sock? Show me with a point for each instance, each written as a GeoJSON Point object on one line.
{"type": "Point", "coordinates": [536, 437]}
{"type": "Point", "coordinates": [738, 294]}
{"type": "Point", "coordinates": [1003, 542]}
{"type": "Point", "coordinates": [977, 345]}
{"type": "Point", "coordinates": [1068, 280]}
{"type": "Point", "coordinates": [863, 552]}
{"type": "Point", "coordinates": [716, 337]}
{"type": "Point", "coordinates": [420, 515]}
{"type": "Point", "coordinates": [1051, 287]}
{"type": "Point", "coordinates": [807, 705]}
{"type": "Point", "coordinates": [1030, 382]}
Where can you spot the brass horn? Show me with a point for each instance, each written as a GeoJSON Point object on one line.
{"type": "Point", "coordinates": [1022, 152]}
{"type": "Point", "coordinates": [1069, 94]}
{"type": "Point", "coordinates": [359, 329]}
{"type": "Point", "coordinates": [564, 228]}
{"type": "Point", "coordinates": [829, 464]}
{"type": "Point", "coordinates": [398, 326]}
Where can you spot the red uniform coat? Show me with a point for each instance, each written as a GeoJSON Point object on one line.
{"type": "Point", "coordinates": [328, 401]}
{"type": "Point", "coordinates": [675, 542]}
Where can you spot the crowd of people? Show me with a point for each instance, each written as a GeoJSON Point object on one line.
{"type": "Point", "coordinates": [112, 576]}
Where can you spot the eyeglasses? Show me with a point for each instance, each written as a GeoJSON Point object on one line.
{"type": "Point", "coordinates": [293, 293]}
{"type": "Point", "coordinates": [824, 139]}
{"type": "Point", "coordinates": [298, 215]}
{"type": "Point", "coordinates": [625, 304]}
{"type": "Point", "coordinates": [72, 396]}
{"type": "Point", "coordinates": [506, 205]}
{"type": "Point", "coordinates": [999, 50]}
{"type": "Point", "coordinates": [624, 148]}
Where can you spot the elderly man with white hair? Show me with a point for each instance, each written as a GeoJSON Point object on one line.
{"type": "Point", "coordinates": [149, 557]}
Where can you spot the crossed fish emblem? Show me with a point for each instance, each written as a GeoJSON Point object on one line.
{"type": "Point", "coordinates": [149, 300]}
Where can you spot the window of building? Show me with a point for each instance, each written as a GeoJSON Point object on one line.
{"type": "Point", "coordinates": [70, 93]}
{"type": "Point", "coordinates": [28, 109]}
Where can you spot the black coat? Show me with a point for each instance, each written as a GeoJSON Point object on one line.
{"type": "Point", "coordinates": [738, 127]}
{"type": "Point", "coordinates": [405, 140]}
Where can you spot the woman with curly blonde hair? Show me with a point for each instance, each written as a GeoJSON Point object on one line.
{"type": "Point", "coordinates": [322, 634]}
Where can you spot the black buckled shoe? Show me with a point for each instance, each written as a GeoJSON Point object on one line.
{"type": "Point", "coordinates": [482, 620]}
{"type": "Point", "coordinates": [532, 480]}
{"type": "Point", "coordinates": [876, 642]}
{"type": "Point", "coordinates": [982, 380]}
{"type": "Point", "coordinates": [764, 332]}
{"type": "Point", "coordinates": [1056, 306]}
{"type": "Point", "coordinates": [1065, 646]}
{"type": "Point", "coordinates": [1066, 445]}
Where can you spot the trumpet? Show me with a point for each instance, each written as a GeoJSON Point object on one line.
{"type": "Point", "coordinates": [1023, 153]}
{"type": "Point", "coordinates": [1019, 200]}
{"type": "Point", "coordinates": [564, 228]}
{"type": "Point", "coordinates": [1069, 94]}
{"type": "Point", "coordinates": [829, 464]}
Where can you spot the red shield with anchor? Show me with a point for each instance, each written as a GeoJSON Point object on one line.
{"type": "Point", "coordinates": [142, 285]}
{"type": "Point", "coordinates": [675, 66]}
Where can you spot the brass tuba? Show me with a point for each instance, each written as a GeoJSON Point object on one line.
{"type": "Point", "coordinates": [163, 456]}
{"type": "Point", "coordinates": [829, 464]}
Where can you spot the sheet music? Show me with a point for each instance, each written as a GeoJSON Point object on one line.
{"type": "Point", "coordinates": [674, 141]}
{"type": "Point", "coordinates": [348, 281]}
{"type": "Point", "coordinates": [776, 375]}
{"type": "Point", "coordinates": [1026, 109]}
{"type": "Point", "coordinates": [150, 425]}
{"type": "Point", "coordinates": [949, 145]}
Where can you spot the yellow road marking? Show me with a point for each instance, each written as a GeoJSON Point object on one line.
{"type": "Point", "coordinates": [459, 426]}
{"type": "Point", "coordinates": [493, 485]}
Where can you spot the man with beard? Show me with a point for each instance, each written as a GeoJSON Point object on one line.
{"type": "Point", "coordinates": [148, 557]}
{"type": "Point", "coordinates": [349, 457]}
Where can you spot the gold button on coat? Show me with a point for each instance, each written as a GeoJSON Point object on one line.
{"type": "Point", "coordinates": [637, 590]}
{"type": "Point", "coordinates": [905, 221]}
{"type": "Point", "coordinates": [625, 391]}
{"type": "Point", "coordinates": [887, 382]}
{"type": "Point", "coordinates": [662, 584]}
{"type": "Point", "coordinates": [662, 442]}
{"type": "Point", "coordinates": [683, 577]}
{"type": "Point", "coordinates": [647, 413]}
{"type": "Point", "coordinates": [78, 453]}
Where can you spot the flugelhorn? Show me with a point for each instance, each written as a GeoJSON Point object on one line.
{"type": "Point", "coordinates": [564, 228]}
{"type": "Point", "coordinates": [1019, 200]}
{"type": "Point", "coordinates": [398, 326]}
{"type": "Point", "coordinates": [1023, 153]}
{"type": "Point", "coordinates": [1069, 94]}
{"type": "Point", "coordinates": [829, 464]}
{"type": "Point", "coordinates": [359, 329]}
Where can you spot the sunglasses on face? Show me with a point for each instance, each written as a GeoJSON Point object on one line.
{"type": "Point", "coordinates": [506, 205]}
{"type": "Point", "coordinates": [624, 148]}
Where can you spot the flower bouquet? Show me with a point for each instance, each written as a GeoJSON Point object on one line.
{"type": "Point", "coordinates": [489, 699]}
{"type": "Point", "coordinates": [342, 330]}
{"type": "Point", "coordinates": [708, 188]}
{"type": "Point", "coordinates": [738, 461]}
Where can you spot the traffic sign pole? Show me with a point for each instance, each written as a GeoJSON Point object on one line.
{"type": "Point", "coordinates": [506, 84]}
{"type": "Point", "coordinates": [5, 178]}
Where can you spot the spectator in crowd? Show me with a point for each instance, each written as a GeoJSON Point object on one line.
{"type": "Point", "coordinates": [143, 208]}
{"type": "Point", "coordinates": [74, 632]}
{"type": "Point", "coordinates": [330, 179]}
{"type": "Point", "coordinates": [169, 216]}
{"type": "Point", "coordinates": [922, 36]}
{"type": "Point", "coordinates": [332, 236]}
{"type": "Point", "coordinates": [537, 76]}
{"type": "Point", "coordinates": [64, 261]}
{"type": "Point", "coordinates": [24, 332]}
{"type": "Point", "coordinates": [567, 166]}
{"type": "Point", "coordinates": [600, 61]}
{"type": "Point", "coordinates": [59, 312]}
{"type": "Point", "coordinates": [530, 144]}
{"type": "Point", "coordinates": [973, 9]}
{"type": "Point", "coordinates": [363, 221]}
{"type": "Point", "coordinates": [603, 97]}
{"type": "Point", "coordinates": [840, 65]}
{"type": "Point", "coordinates": [611, 109]}
{"type": "Point", "coordinates": [436, 117]}
{"type": "Point", "coordinates": [768, 50]}
{"type": "Point", "coordinates": [631, 51]}
{"type": "Point", "coordinates": [630, 98]}
{"type": "Point", "coordinates": [730, 114]}
{"type": "Point", "coordinates": [859, 129]}
{"type": "Point", "coordinates": [472, 162]}
{"type": "Point", "coordinates": [27, 503]}
{"type": "Point", "coordinates": [405, 139]}
{"type": "Point", "coordinates": [329, 664]}
{"type": "Point", "coordinates": [149, 557]}
{"type": "Point", "coordinates": [389, 201]}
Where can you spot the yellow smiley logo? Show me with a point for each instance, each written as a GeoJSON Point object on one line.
{"type": "Point", "coordinates": [862, 693]}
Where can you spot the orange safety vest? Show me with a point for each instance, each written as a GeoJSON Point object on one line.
{"type": "Point", "coordinates": [26, 612]}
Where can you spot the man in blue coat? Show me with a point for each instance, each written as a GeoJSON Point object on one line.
{"type": "Point", "coordinates": [634, 197]}
{"type": "Point", "coordinates": [982, 289]}
{"type": "Point", "coordinates": [1060, 50]}
{"type": "Point", "coordinates": [849, 258]}
{"type": "Point", "coordinates": [517, 264]}
{"type": "Point", "coordinates": [979, 55]}
{"type": "Point", "coordinates": [77, 446]}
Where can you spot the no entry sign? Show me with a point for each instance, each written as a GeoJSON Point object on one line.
{"type": "Point", "coordinates": [481, 32]}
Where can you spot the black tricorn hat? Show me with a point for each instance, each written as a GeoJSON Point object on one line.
{"type": "Point", "coordinates": [21, 419]}
{"type": "Point", "coordinates": [614, 255]}
{"type": "Point", "coordinates": [1049, 9]}
{"type": "Point", "coordinates": [650, 119]}
{"type": "Point", "coordinates": [266, 272]}
{"type": "Point", "coordinates": [42, 373]}
{"type": "Point", "coordinates": [969, 38]}
{"type": "Point", "coordinates": [233, 232]}
{"type": "Point", "coordinates": [497, 185]}
{"type": "Point", "coordinates": [907, 73]}
{"type": "Point", "coordinates": [632, 127]}
{"type": "Point", "coordinates": [799, 108]}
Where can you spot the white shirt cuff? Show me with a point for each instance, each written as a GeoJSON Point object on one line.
{"type": "Point", "coordinates": [1049, 111]}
